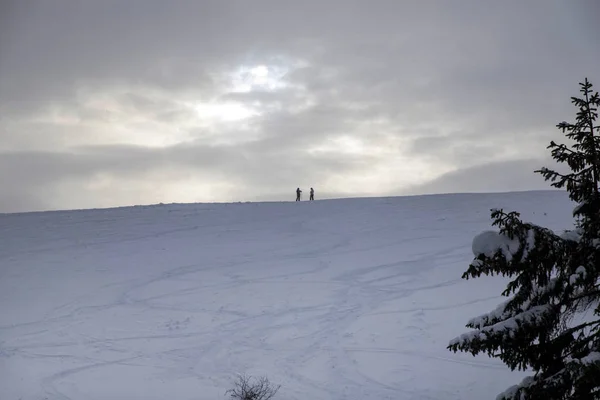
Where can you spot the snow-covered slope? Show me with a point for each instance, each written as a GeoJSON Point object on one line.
{"type": "Point", "coordinates": [338, 299]}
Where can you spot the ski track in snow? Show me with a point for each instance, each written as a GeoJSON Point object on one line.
{"type": "Point", "coordinates": [344, 299]}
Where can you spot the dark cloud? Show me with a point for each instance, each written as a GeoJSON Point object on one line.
{"type": "Point", "coordinates": [516, 175]}
{"type": "Point", "coordinates": [111, 101]}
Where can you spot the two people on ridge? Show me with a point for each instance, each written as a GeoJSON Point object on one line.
{"type": "Point", "coordinates": [299, 192]}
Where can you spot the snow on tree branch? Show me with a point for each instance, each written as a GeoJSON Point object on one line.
{"type": "Point", "coordinates": [507, 327]}
{"type": "Point", "coordinates": [489, 243]}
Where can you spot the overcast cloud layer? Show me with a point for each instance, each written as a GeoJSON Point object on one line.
{"type": "Point", "coordinates": [113, 103]}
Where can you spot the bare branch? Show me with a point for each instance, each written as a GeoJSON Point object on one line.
{"type": "Point", "coordinates": [247, 388]}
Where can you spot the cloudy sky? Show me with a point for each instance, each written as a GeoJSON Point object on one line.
{"type": "Point", "coordinates": [107, 103]}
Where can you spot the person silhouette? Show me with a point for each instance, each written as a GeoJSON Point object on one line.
{"type": "Point", "coordinates": [298, 192]}
{"type": "Point", "coordinates": [312, 194]}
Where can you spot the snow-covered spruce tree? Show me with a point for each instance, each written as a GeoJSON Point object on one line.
{"type": "Point", "coordinates": [550, 324]}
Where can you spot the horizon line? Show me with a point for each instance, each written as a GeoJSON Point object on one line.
{"type": "Point", "coordinates": [359, 197]}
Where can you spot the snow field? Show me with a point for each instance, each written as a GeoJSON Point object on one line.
{"type": "Point", "coordinates": [336, 299]}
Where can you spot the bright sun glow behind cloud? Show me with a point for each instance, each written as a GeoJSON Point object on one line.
{"type": "Point", "coordinates": [258, 77]}
{"type": "Point", "coordinates": [223, 111]}
{"type": "Point", "coordinates": [260, 73]}
{"type": "Point", "coordinates": [245, 79]}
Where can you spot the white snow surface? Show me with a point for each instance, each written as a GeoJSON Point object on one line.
{"type": "Point", "coordinates": [335, 299]}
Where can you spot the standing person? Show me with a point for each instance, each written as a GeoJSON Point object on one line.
{"type": "Point", "coordinates": [298, 192]}
{"type": "Point", "coordinates": [312, 194]}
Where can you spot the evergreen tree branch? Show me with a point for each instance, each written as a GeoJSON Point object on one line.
{"type": "Point", "coordinates": [586, 294]}
{"type": "Point", "coordinates": [554, 280]}
{"type": "Point", "coordinates": [593, 150]}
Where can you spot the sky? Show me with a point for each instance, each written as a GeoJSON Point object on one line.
{"type": "Point", "coordinates": [113, 103]}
